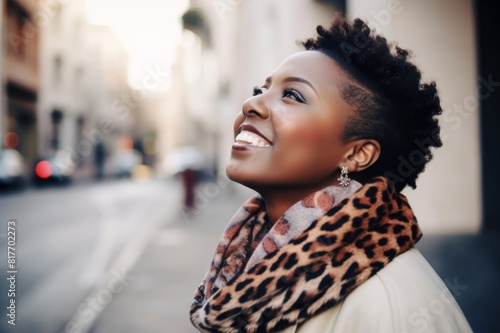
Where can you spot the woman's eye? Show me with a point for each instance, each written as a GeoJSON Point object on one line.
{"type": "Point", "coordinates": [293, 94]}
{"type": "Point", "coordinates": [258, 91]}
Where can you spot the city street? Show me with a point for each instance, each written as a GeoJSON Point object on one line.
{"type": "Point", "coordinates": [69, 240]}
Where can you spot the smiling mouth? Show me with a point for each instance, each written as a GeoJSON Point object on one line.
{"type": "Point", "coordinates": [253, 139]}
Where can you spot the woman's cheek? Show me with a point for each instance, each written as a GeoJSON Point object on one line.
{"type": "Point", "coordinates": [307, 133]}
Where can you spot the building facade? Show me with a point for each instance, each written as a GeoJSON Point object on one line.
{"type": "Point", "coordinates": [64, 84]}
{"type": "Point", "coordinates": [84, 75]}
{"type": "Point", "coordinates": [20, 74]}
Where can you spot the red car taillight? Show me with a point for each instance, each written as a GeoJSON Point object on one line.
{"type": "Point", "coordinates": [43, 169]}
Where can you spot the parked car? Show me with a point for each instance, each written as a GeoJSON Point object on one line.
{"type": "Point", "coordinates": [56, 168]}
{"type": "Point", "coordinates": [124, 162]}
{"type": "Point", "coordinates": [187, 157]}
{"type": "Point", "coordinates": [11, 168]}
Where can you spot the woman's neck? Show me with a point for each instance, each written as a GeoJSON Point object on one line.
{"type": "Point", "coordinates": [276, 207]}
{"type": "Point", "coordinates": [278, 201]}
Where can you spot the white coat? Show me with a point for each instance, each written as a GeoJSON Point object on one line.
{"type": "Point", "coordinates": [406, 296]}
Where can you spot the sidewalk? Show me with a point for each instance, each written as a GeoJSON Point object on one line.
{"type": "Point", "coordinates": [163, 281]}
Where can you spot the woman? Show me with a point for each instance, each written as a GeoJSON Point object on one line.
{"type": "Point", "coordinates": [327, 246]}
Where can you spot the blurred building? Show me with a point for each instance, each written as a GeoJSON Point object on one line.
{"type": "Point", "coordinates": [84, 80]}
{"type": "Point", "coordinates": [188, 117]}
{"type": "Point", "coordinates": [19, 57]}
{"type": "Point", "coordinates": [249, 39]}
{"type": "Point", "coordinates": [65, 85]}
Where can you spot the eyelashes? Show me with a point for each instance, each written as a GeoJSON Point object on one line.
{"type": "Point", "coordinates": [257, 91]}
{"type": "Point", "coordinates": [293, 94]}
{"type": "Point", "coordinates": [287, 93]}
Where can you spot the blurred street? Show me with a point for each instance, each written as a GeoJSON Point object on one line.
{"type": "Point", "coordinates": [68, 238]}
{"type": "Point", "coordinates": [164, 279]}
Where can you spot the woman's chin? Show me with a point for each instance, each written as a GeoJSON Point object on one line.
{"type": "Point", "coordinates": [234, 172]}
{"type": "Point", "coordinates": [238, 174]}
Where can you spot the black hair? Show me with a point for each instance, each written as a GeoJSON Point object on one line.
{"type": "Point", "coordinates": [391, 103]}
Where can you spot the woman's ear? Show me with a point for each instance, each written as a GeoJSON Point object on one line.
{"type": "Point", "coordinates": [362, 154]}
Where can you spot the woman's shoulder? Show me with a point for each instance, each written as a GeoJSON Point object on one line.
{"type": "Point", "coordinates": [418, 299]}
{"type": "Point", "coordinates": [405, 296]}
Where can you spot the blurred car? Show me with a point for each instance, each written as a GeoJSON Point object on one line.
{"type": "Point", "coordinates": [56, 168]}
{"type": "Point", "coordinates": [11, 168]}
{"type": "Point", "coordinates": [187, 157]}
{"type": "Point", "coordinates": [124, 162]}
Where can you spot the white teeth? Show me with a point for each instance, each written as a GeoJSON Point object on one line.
{"type": "Point", "coordinates": [240, 137]}
{"type": "Point", "coordinates": [252, 139]}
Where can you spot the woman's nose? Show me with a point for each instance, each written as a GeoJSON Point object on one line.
{"type": "Point", "coordinates": [256, 106]}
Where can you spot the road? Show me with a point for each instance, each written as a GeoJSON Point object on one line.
{"type": "Point", "coordinates": [70, 240]}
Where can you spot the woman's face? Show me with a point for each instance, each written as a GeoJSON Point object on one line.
{"type": "Point", "coordinates": [289, 135]}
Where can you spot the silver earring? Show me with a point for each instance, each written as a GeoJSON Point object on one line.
{"type": "Point", "coordinates": [344, 179]}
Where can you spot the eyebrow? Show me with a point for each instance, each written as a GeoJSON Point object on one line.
{"type": "Point", "coordinates": [294, 79]}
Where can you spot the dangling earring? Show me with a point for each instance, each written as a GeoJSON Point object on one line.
{"type": "Point", "coordinates": [344, 179]}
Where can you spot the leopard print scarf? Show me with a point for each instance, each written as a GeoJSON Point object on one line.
{"type": "Point", "coordinates": [258, 283]}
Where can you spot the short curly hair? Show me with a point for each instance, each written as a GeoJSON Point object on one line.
{"type": "Point", "coordinates": [391, 103]}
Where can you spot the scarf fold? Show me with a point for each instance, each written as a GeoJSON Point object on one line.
{"type": "Point", "coordinates": [265, 278]}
